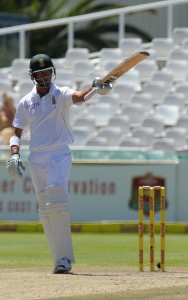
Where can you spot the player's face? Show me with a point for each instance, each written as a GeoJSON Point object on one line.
{"type": "Point", "coordinates": [43, 78]}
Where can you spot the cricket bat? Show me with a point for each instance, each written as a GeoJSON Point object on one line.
{"type": "Point", "coordinates": [121, 69]}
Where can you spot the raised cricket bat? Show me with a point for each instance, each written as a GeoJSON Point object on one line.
{"type": "Point", "coordinates": [121, 69]}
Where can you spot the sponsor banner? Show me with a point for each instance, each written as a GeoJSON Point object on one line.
{"type": "Point", "coordinates": [110, 191]}
{"type": "Point", "coordinates": [98, 192]}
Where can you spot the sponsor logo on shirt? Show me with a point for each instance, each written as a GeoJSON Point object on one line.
{"type": "Point", "coordinates": [32, 105]}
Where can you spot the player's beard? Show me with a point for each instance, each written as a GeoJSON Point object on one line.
{"type": "Point", "coordinates": [44, 83]}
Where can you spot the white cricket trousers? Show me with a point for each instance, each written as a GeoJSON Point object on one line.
{"type": "Point", "coordinates": [50, 167]}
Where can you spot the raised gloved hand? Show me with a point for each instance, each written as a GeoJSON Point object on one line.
{"type": "Point", "coordinates": [101, 88]}
{"type": "Point", "coordinates": [13, 166]}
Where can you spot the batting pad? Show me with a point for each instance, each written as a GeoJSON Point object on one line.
{"type": "Point", "coordinates": [55, 219]}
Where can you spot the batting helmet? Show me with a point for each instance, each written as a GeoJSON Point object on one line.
{"type": "Point", "coordinates": [39, 63]}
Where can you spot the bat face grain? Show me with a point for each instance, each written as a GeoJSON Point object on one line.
{"type": "Point", "coordinates": [124, 66]}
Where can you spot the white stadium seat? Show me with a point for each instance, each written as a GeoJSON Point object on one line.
{"type": "Point", "coordinates": [125, 91]}
{"type": "Point", "coordinates": [87, 120]}
{"type": "Point", "coordinates": [96, 141]}
{"type": "Point", "coordinates": [77, 111]}
{"type": "Point", "coordinates": [101, 112]}
{"type": "Point", "coordinates": [131, 143]}
{"type": "Point", "coordinates": [164, 75]}
{"type": "Point", "coordinates": [178, 68]}
{"type": "Point", "coordinates": [168, 113]}
{"type": "Point", "coordinates": [135, 111]}
{"type": "Point", "coordinates": [164, 144]}
{"type": "Point", "coordinates": [185, 43]}
{"type": "Point", "coordinates": [162, 47]}
{"type": "Point", "coordinates": [108, 55]}
{"type": "Point", "coordinates": [146, 135]}
{"type": "Point", "coordinates": [18, 66]}
{"type": "Point", "coordinates": [112, 134]}
{"type": "Point", "coordinates": [23, 87]}
{"type": "Point", "coordinates": [146, 68]}
{"type": "Point", "coordinates": [179, 34]}
{"type": "Point", "coordinates": [182, 88]}
{"type": "Point", "coordinates": [5, 86]}
{"type": "Point", "coordinates": [183, 123]}
{"type": "Point", "coordinates": [129, 46]}
{"type": "Point", "coordinates": [75, 54]}
{"type": "Point", "coordinates": [122, 121]}
{"type": "Point", "coordinates": [179, 135]}
{"type": "Point", "coordinates": [132, 77]}
{"type": "Point", "coordinates": [81, 69]}
{"type": "Point", "coordinates": [179, 54]}
{"type": "Point", "coordinates": [81, 134]}
{"type": "Point", "coordinates": [112, 98]}
{"type": "Point", "coordinates": [157, 89]}
{"type": "Point", "coordinates": [177, 99]}
{"type": "Point", "coordinates": [145, 99]}
{"type": "Point", "coordinates": [156, 124]}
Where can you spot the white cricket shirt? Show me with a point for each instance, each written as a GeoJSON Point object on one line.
{"type": "Point", "coordinates": [47, 118]}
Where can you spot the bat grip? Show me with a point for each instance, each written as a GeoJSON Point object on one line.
{"type": "Point", "coordinates": [90, 94]}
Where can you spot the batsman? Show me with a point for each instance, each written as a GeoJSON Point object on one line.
{"type": "Point", "coordinates": [45, 110]}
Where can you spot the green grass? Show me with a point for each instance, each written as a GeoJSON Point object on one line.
{"type": "Point", "coordinates": [120, 249]}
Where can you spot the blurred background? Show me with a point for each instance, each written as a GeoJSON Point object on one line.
{"type": "Point", "coordinates": [135, 135]}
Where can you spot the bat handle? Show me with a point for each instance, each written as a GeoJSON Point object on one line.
{"type": "Point", "coordinates": [90, 94]}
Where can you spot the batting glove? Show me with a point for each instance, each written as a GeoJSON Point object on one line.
{"type": "Point", "coordinates": [101, 88]}
{"type": "Point", "coordinates": [13, 166]}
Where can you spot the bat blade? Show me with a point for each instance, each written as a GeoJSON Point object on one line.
{"type": "Point", "coordinates": [121, 69]}
{"type": "Point", "coordinates": [125, 66]}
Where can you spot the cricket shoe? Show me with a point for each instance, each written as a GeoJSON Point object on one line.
{"type": "Point", "coordinates": [63, 267]}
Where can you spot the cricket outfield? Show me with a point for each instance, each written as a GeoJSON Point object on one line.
{"type": "Point", "coordinates": [106, 268]}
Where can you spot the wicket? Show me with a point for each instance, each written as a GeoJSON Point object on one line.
{"type": "Point", "coordinates": [151, 224]}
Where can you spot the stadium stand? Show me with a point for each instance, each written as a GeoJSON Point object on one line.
{"type": "Point", "coordinates": [153, 95]}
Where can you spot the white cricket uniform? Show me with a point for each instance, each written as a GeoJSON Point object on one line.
{"type": "Point", "coordinates": [50, 133]}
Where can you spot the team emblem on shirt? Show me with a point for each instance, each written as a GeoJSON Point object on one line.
{"type": "Point", "coordinates": [53, 100]}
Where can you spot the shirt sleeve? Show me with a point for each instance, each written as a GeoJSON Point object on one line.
{"type": "Point", "coordinates": [20, 119]}
{"type": "Point", "coordinates": [67, 95]}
